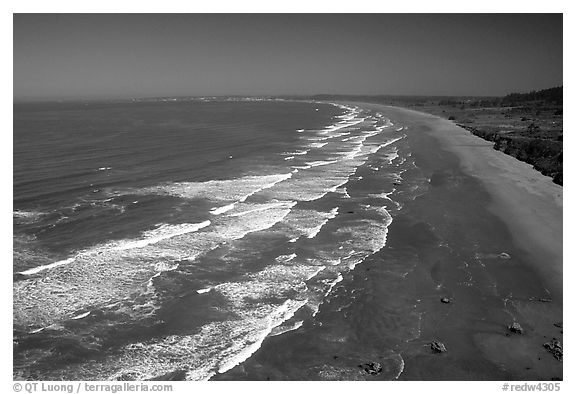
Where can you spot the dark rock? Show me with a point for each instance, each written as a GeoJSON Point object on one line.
{"type": "Point", "coordinates": [371, 368]}
{"type": "Point", "coordinates": [554, 347]}
{"type": "Point", "coordinates": [558, 324]}
{"type": "Point", "coordinates": [445, 300]}
{"type": "Point", "coordinates": [438, 347]}
{"type": "Point", "coordinates": [516, 328]}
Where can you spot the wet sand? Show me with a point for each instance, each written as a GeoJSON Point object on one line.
{"type": "Point", "coordinates": [485, 232]}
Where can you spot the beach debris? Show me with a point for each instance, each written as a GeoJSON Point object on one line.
{"type": "Point", "coordinates": [558, 324]}
{"type": "Point", "coordinates": [438, 347]}
{"type": "Point", "coordinates": [554, 347]}
{"type": "Point", "coordinates": [445, 300]}
{"type": "Point", "coordinates": [545, 300]}
{"type": "Point", "coordinates": [371, 368]}
{"type": "Point", "coordinates": [516, 328]}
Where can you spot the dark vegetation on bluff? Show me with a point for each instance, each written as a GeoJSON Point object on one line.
{"type": "Point", "coordinates": [527, 126]}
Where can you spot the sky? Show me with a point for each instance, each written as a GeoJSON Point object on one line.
{"type": "Point", "coordinates": [146, 55]}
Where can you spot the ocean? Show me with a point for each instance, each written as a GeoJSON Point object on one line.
{"type": "Point", "coordinates": [157, 239]}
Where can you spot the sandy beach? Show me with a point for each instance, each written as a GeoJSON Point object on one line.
{"type": "Point", "coordinates": [529, 203]}
{"type": "Point", "coordinates": [478, 249]}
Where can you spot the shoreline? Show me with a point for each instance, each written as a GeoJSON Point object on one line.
{"type": "Point", "coordinates": [458, 239]}
{"type": "Point", "coordinates": [528, 202]}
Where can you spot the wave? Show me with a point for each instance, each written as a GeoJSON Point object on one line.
{"type": "Point", "coordinates": [317, 144]}
{"type": "Point", "coordinates": [122, 275]}
{"type": "Point", "coordinates": [225, 190]}
{"type": "Point", "coordinates": [161, 233]}
{"type": "Point", "coordinates": [248, 208]}
{"type": "Point", "coordinates": [41, 268]}
{"type": "Point", "coordinates": [149, 237]}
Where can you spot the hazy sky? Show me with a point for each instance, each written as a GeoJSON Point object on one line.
{"type": "Point", "coordinates": [95, 55]}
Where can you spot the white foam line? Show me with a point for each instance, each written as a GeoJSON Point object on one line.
{"type": "Point", "coordinates": [296, 326]}
{"type": "Point", "coordinates": [285, 312]}
{"type": "Point", "coordinates": [320, 269]}
{"type": "Point", "coordinates": [80, 316]}
{"type": "Point", "coordinates": [221, 210]}
{"type": "Point", "coordinates": [151, 280]}
{"type": "Point", "coordinates": [288, 204]}
{"type": "Point", "coordinates": [35, 270]}
{"type": "Point", "coordinates": [402, 365]}
{"type": "Point", "coordinates": [345, 124]}
{"type": "Point", "coordinates": [149, 241]}
{"type": "Point", "coordinates": [320, 163]}
{"type": "Point", "coordinates": [389, 143]}
{"type": "Point", "coordinates": [338, 279]}
{"type": "Point", "coordinates": [384, 195]}
{"type": "Point", "coordinates": [333, 213]}
{"type": "Point", "coordinates": [268, 186]}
